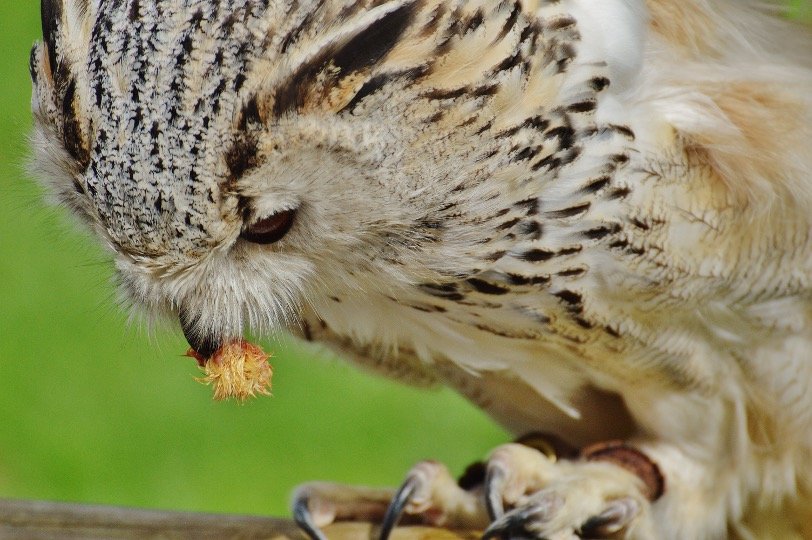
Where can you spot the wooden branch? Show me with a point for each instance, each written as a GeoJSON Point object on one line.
{"type": "Point", "coordinates": [37, 520]}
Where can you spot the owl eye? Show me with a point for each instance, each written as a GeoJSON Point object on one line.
{"type": "Point", "coordinates": [269, 229]}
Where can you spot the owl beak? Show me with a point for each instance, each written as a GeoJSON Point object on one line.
{"type": "Point", "coordinates": [204, 346]}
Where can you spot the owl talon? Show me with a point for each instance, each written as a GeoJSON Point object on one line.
{"type": "Point", "coordinates": [535, 520]}
{"type": "Point", "coordinates": [399, 502]}
{"type": "Point", "coordinates": [304, 517]}
{"type": "Point", "coordinates": [515, 524]}
{"type": "Point", "coordinates": [430, 495]}
{"type": "Point", "coordinates": [494, 486]}
{"type": "Point", "coordinates": [617, 515]}
{"type": "Point", "coordinates": [318, 504]}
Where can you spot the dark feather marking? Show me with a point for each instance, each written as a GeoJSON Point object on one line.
{"type": "Point", "coordinates": [582, 106]}
{"type": "Point", "coordinates": [583, 323]}
{"type": "Point", "coordinates": [531, 229]}
{"type": "Point", "coordinates": [293, 36]}
{"type": "Point", "coordinates": [572, 272]}
{"type": "Point", "coordinates": [538, 123]}
{"type": "Point", "coordinates": [370, 87]}
{"type": "Point", "coordinates": [33, 63]}
{"type": "Point", "coordinates": [484, 128]}
{"type": "Point", "coordinates": [528, 152]}
{"type": "Point", "coordinates": [468, 121]}
{"type": "Point", "coordinates": [531, 29]}
{"type": "Point", "coordinates": [447, 291]}
{"type": "Point", "coordinates": [620, 159]}
{"type": "Point", "coordinates": [135, 11]}
{"type": "Point", "coordinates": [379, 81]}
{"type": "Point", "coordinates": [517, 279]}
{"type": "Point", "coordinates": [508, 63]}
{"type": "Point", "coordinates": [639, 224]}
{"type": "Point", "coordinates": [565, 56]}
{"type": "Point", "coordinates": [570, 297]}
{"type": "Point", "coordinates": [427, 309]}
{"type": "Point", "coordinates": [485, 90]}
{"type": "Point", "coordinates": [507, 224]}
{"type": "Point", "coordinates": [571, 155]}
{"type": "Point", "coordinates": [436, 117]}
{"type": "Point", "coordinates": [624, 130]}
{"type": "Point", "coordinates": [568, 212]}
{"type": "Point", "coordinates": [488, 155]}
{"type": "Point", "coordinates": [564, 134]}
{"type": "Point", "coordinates": [71, 129]}
{"type": "Point", "coordinates": [239, 80]}
{"type": "Point", "coordinates": [509, 132]}
{"type": "Point", "coordinates": [440, 94]}
{"type": "Point", "coordinates": [569, 251]}
{"type": "Point", "coordinates": [550, 162]}
{"type": "Point", "coordinates": [242, 156]}
{"type": "Point", "coordinates": [596, 185]}
{"type": "Point", "coordinates": [500, 333]}
{"type": "Point", "coordinates": [485, 287]}
{"type": "Point", "coordinates": [363, 50]}
{"type": "Point", "coordinates": [600, 232]}
{"type": "Point", "coordinates": [627, 247]}
{"type": "Point", "coordinates": [561, 23]}
{"type": "Point", "coordinates": [537, 255]}
{"type": "Point", "coordinates": [372, 44]}
{"type": "Point", "coordinates": [611, 331]}
{"type": "Point", "coordinates": [475, 21]}
{"type": "Point", "coordinates": [531, 206]}
{"type": "Point", "coordinates": [51, 16]}
{"type": "Point", "coordinates": [249, 114]}
{"type": "Point", "coordinates": [620, 193]}
{"type": "Point", "coordinates": [509, 23]}
{"type": "Point", "coordinates": [599, 83]}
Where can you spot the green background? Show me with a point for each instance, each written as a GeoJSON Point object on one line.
{"type": "Point", "coordinates": [96, 409]}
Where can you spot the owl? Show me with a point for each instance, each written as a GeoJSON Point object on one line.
{"type": "Point", "coordinates": [592, 218]}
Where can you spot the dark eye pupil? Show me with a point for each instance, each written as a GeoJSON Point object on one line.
{"type": "Point", "coordinates": [270, 229]}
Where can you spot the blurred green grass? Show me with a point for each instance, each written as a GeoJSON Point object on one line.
{"type": "Point", "coordinates": [801, 9]}
{"type": "Point", "coordinates": [92, 409]}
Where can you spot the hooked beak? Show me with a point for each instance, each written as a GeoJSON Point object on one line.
{"type": "Point", "coordinates": [204, 346]}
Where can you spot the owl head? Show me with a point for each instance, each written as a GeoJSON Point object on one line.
{"type": "Point", "coordinates": [242, 159]}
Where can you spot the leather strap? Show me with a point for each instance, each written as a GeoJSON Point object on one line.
{"type": "Point", "coordinates": [631, 459]}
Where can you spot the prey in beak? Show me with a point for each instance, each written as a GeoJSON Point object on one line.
{"type": "Point", "coordinates": [234, 368]}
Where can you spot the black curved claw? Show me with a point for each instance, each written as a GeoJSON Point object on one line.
{"type": "Point", "coordinates": [397, 505]}
{"type": "Point", "coordinates": [617, 515]}
{"type": "Point", "coordinates": [511, 525]}
{"type": "Point", "coordinates": [304, 519]}
{"type": "Point", "coordinates": [494, 480]}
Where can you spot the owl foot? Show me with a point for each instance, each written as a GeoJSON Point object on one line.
{"type": "Point", "coordinates": [605, 493]}
{"type": "Point", "coordinates": [520, 492]}
{"type": "Point", "coordinates": [428, 496]}
{"type": "Point", "coordinates": [318, 504]}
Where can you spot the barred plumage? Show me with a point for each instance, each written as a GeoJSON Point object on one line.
{"type": "Point", "coordinates": [589, 218]}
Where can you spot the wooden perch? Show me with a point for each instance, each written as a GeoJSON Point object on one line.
{"type": "Point", "coordinates": [36, 520]}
